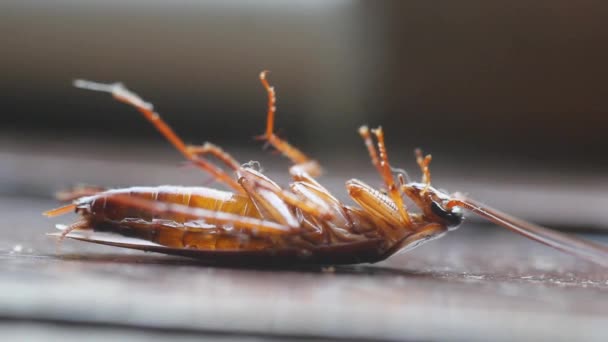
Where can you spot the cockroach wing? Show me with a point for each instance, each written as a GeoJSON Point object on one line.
{"type": "Point", "coordinates": [231, 257]}
{"type": "Point", "coordinates": [110, 239]}
{"type": "Point", "coordinates": [347, 253]}
{"type": "Point", "coordinates": [587, 250]}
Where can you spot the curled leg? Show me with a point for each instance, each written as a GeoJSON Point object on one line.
{"type": "Point", "coordinates": [215, 151]}
{"type": "Point", "coordinates": [122, 94]}
{"type": "Point", "coordinates": [303, 164]}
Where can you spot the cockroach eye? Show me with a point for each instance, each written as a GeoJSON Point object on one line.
{"type": "Point", "coordinates": [452, 217]}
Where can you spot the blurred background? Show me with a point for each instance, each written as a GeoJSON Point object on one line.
{"type": "Point", "coordinates": [510, 97]}
{"type": "Point", "coordinates": [506, 95]}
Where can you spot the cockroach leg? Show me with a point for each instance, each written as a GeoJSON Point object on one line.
{"type": "Point", "coordinates": [273, 203]}
{"type": "Point", "coordinates": [316, 209]}
{"type": "Point", "coordinates": [122, 94]}
{"type": "Point", "coordinates": [364, 132]}
{"type": "Point", "coordinates": [315, 202]}
{"type": "Point", "coordinates": [314, 193]}
{"type": "Point", "coordinates": [60, 211]}
{"type": "Point", "coordinates": [82, 224]}
{"type": "Point", "coordinates": [303, 164]}
{"type": "Point", "coordinates": [77, 192]}
{"type": "Point", "coordinates": [424, 162]}
{"type": "Point", "coordinates": [387, 176]}
{"type": "Point", "coordinates": [310, 167]}
{"type": "Point", "coordinates": [371, 148]}
{"type": "Point", "coordinates": [308, 188]}
{"type": "Point", "coordinates": [215, 151]}
{"type": "Point", "coordinates": [377, 205]}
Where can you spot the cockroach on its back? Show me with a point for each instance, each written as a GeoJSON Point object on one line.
{"type": "Point", "coordinates": [260, 222]}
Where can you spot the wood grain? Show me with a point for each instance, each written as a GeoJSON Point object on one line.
{"type": "Point", "coordinates": [474, 284]}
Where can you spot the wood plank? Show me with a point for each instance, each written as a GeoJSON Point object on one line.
{"type": "Point", "coordinates": [474, 284]}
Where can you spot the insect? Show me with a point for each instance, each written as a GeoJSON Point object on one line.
{"type": "Point", "coordinates": [260, 222]}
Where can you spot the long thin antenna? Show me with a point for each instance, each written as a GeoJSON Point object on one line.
{"type": "Point", "coordinates": [587, 250]}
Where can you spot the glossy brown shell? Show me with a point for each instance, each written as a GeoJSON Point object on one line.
{"type": "Point", "coordinates": [368, 251]}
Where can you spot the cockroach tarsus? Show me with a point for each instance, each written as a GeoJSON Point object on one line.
{"type": "Point", "coordinates": [260, 222]}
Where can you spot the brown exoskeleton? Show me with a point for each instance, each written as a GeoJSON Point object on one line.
{"type": "Point", "coordinates": [260, 222]}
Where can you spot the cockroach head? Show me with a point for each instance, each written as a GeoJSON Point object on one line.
{"type": "Point", "coordinates": [434, 204]}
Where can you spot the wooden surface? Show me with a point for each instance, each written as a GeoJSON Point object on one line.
{"type": "Point", "coordinates": [472, 284]}
{"type": "Point", "coordinates": [477, 283]}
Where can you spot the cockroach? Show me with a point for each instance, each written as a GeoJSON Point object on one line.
{"type": "Point", "coordinates": [260, 222]}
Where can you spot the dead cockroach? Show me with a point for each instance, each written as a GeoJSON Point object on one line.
{"type": "Point", "coordinates": [260, 222]}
